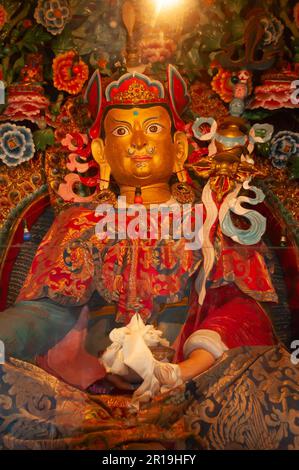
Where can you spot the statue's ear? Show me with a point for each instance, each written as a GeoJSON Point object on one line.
{"type": "Point", "coordinates": [178, 93]}
{"type": "Point", "coordinates": [93, 96]}
{"type": "Point", "coordinates": [98, 151]}
{"type": "Point", "coordinates": [181, 154]}
{"type": "Point", "coordinates": [181, 147]}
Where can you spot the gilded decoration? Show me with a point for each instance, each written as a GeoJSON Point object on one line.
{"type": "Point", "coordinates": [135, 93]}
{"type": "Point", "coordinates": [286, 190]}
{"type": "Point", "coordinates": [18, 183]}
{"type": "Point", "coordinates": [225, 170]}
{"type": "Point", "coordinates": [56, 170]}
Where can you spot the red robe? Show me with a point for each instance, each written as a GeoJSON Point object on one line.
{"type": "Point", "coordinates": [71, 263]}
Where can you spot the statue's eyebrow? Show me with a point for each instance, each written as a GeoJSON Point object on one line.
{"type": "Point", "coordinates": [150, 119]}
{"type": "Point", "coordinates": [130, 125]}
{"type": "Point", "coordinates": [122, 122]}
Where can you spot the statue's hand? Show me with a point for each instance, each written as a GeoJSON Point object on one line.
{"type": "Point", "coordinates": [168, 375]}
{"type": "Point", "coordinates": [120, 383]}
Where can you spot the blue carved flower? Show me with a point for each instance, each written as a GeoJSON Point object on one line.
{"type": "Point", "coordinates": [52, 14]}
{"type": "Point", "coordinates": [16, 144]}
{"type": "Point", "coordinates": [284, 146]}
{"type": "Point", "coordinates": [273, 30]}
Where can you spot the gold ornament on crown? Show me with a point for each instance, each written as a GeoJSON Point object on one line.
{"type": "Point", "coordinates": [136, 93]}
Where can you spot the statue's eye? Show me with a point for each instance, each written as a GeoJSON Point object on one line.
{"type": "Point", "coordinates": [153, 129]}
{"type": "Point", "coordinates": [121, 131]}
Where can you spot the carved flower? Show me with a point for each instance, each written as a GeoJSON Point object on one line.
{"type": "Point", "coordinates": [77, 143]}
{"type": "Point", "coordinates": [273, 30]}
{"type": "Point", "coordinates": [3, 16]}
{"type": "Point", "coordinates": [284, 145]}
{"type": "Point", "coordinates": [25, 103]}
{"type": "Point", "coordinates": [52, 14]}
{"type": "Point", "coordinates": [222, 84]}
{"type": "Point", "coordinates": [223, 81]}
{"type": "Point", "coordinates": [261, 133]}
{"type": "Point", "coordinates": [69, 72]}
{"type": "Point", "coordinates": [16, 144]}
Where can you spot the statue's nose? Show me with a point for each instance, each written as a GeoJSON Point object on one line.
{"type": "Point", "coordinates": [138, 140]}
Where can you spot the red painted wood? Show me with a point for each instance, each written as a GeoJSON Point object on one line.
{"type": "Point", "coordinates": [31, 214]}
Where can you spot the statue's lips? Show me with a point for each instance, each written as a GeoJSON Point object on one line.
{"type": "Point", "coordinates": [141, 158]}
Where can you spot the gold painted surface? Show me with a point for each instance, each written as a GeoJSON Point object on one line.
{"type": "Point", "coordinates": [286, 189]}
{"type": "Point", "coordinates": [136, 93]}
{"type": "Point", "coordinates": [56, 169]}
{"type": "Point", "coordinates": [224, 170]}
{"type": "Point", "coordinates": [18, 182]}
{"type": "Point", "coordinates": [140, 151]}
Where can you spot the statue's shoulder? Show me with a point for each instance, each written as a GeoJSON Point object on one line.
{"type": "Point", "coordinates": [76, 213]}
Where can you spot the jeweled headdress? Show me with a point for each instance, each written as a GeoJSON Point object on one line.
{"type": "Point", "coordinates": [136, 89]}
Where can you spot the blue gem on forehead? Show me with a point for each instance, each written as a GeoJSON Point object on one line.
{"type": "Point", "coordinates": [135, 113]}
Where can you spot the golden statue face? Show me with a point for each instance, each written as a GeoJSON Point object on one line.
{"type": "Point", "coordinates": [139, 148]}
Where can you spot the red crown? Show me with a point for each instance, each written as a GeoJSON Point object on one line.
{"type": "Point", "coordinates": [136, 89]}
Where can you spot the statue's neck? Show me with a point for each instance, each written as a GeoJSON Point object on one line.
{"type": "Point", "coordinates": [152, 194]}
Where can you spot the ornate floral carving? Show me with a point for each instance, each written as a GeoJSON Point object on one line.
{"type": "Point", "coordinates": [52, 14]}
{"type": "Point", "coordinates": [16, 144]}
{"type": "Point", "coordinates": [286, 190]}
{"type": "Point", "coordinates": [205, 102]}
{"type": "Point", "coordinates": [17, 183]}
{"type": "Point", "coordinates": [69, 72]}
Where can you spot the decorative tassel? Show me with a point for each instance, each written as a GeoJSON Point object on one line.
{"type": "Point", "coordinates": [26, 234]}
{"type": "Point", "coordinates": [138, 198]}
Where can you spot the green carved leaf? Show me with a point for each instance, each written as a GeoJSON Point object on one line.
{"type": "Point", "coordinates": [37, 34]}
{"type": "Point", "coordinates": [236, 6]}
{"type": "Point", "coordinates": [295, 167]}
{"type": "Point", "coordinates": [19, 64]}
{"type": "Point", "coordinates": [256, 114]}
{"type": "Point", "coordinates": [237, 26]}
{"type": "Point", "coordinates": [64, 42]}
{"type": "Point", "coordinates": [43, 138]}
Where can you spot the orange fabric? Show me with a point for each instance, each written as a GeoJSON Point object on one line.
{"type": "Point", "coordinates": [69, 360]}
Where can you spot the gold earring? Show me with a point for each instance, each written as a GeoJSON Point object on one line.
{"type": "Point", "coordinates": [106, 196]}
{"type": "Point", "coordinates": [181, 175]}
{"type": "Point", "coordinates": [183, 193]}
